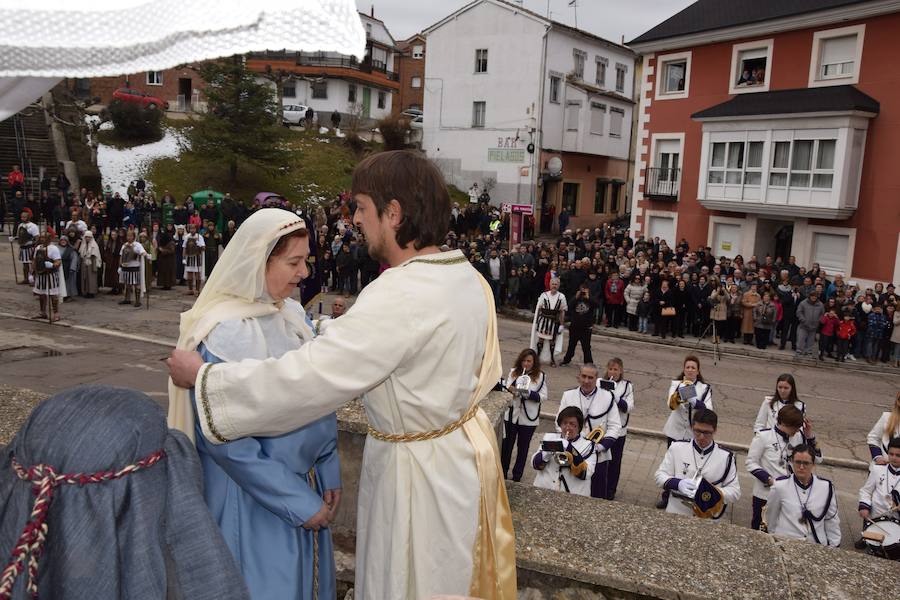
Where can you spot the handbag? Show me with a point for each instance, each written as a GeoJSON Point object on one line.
{"type": "Point", "coordinates": [668, 311]}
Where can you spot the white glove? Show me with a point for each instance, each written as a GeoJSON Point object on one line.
{"type": "Point", "coordinates": [687, 487]}
{"type": "Point", "coordinates": [48, 264]}
{"type": "Point", "coordinates": [546, 456]}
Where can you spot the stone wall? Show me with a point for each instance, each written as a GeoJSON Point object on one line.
{"type": "Point", "coordinates": [576, 547]}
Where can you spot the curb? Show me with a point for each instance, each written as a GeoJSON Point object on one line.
{"type": "Point", "coordinates": [100, 330]}
{"type": "Point", "coordinates": [729, 350]}
{"type": "Point", "coordinates": [846, 463]}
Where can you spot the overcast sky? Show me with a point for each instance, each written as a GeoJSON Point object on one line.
{"type": "Point", "coordinates": [611, 19]}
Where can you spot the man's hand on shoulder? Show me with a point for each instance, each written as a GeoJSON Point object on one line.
{"type": "Point", "coordinates": [183, 367]}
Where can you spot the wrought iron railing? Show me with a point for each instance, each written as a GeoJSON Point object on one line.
{"type": "Point", "coordinates": [662, 184]}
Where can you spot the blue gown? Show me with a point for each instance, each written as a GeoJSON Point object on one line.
{"type": "Point", "coordinates": [257, 491]}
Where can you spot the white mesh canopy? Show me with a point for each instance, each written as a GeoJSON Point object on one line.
{"type": "Point", "coordinates": [42, 41]}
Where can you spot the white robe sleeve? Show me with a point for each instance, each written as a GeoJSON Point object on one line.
{"type": "Point", "coordinates": [833, 522]}
{"type": "Point", "coordinates": [731, 486]}
{"type": "Point", "coordinates": [754, 457]}
{"type": "Point", "coordinates": [666, 469]}
{"type": "Point", "coordinates": [773, 508]}
{"type": "Point", "coordinates": [280, 395]}
{"type": "Point", "coordinates": [875, 437]}
{"type": "Point", "coordinates": [868, 489]}
{"type": "Point", "coordinates": [761, 416]}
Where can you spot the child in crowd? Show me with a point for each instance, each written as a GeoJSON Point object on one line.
{"type": "Point", "coordinates": [643, 313]}
{"type": "Point", "coordinates": [512, 288]}
{"type": "Point", "coordinates": [827, 325]}
{"type": "Point", "coordinates": [844, 331]}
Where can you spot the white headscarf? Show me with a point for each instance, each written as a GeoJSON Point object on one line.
{"type": "Point", "coordinates": [89, 249]}
{"type": "Point", "coordinates": [236, 289]}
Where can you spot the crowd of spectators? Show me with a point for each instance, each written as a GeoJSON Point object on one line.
{"type": "Point", "coordinates": [647, 286]}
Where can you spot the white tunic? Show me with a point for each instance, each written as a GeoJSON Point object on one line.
{"type": "Point", "coordinates": [787, 499]}
{"type": "Point", "coordinates": [769, 456]}
{"type": "Point", "coordinates": [624, 396]}
{"type": "Point", "coordinates": [527, 411]}
{"type": "Point", "coordinates": [412, 346]}
{"type": "Point", "coordinates": [599, 410]}
{"type": "Point", "coordinates": [550, 476]}
{"type": "Point", "coordinates": [678, 425]}
{"type": "Point", "coordinates": [686, 460]}
{"type": "Point", "coordinates": [879, 437]}
{"type": "Point", "coordinates": [56, 285]}
{"type": "Point", "coordinates": [767, 416]}
{"type": "Point", "coordinates": [201, 257]}
{"type": "Point", "coordinates": [878, 492]}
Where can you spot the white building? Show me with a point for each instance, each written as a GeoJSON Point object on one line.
{"type": "Point", "coordinates": [328, 81]}
{"type": "Point", "coordinates": [507, 89]}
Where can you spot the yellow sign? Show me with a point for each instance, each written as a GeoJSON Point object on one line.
{"type": "Point", "coordinates": [726, 246]}
{"type": "Point", "coordinates": [513, 155]}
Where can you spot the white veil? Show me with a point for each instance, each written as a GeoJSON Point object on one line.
{"type": "Point", "coordinates": [235, 290]}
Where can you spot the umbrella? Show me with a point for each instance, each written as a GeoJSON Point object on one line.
{"type": "Point", "coordinates": [42, 42]}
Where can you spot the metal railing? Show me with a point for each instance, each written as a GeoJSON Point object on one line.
{"type": "Point", "coordinates": [24, 160]}
{"type": "Point", "coordinates": [662, 184]}
{"type": "Point", "coordinates": [366, 65]}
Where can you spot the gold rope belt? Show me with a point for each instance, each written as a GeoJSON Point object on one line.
{"type": "Point", "coordinates": [425, 435]}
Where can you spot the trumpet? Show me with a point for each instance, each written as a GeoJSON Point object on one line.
{"type": "Point", "coordinates": [675, 399]}
{"type": "Point", "coordinates": [596, 434]}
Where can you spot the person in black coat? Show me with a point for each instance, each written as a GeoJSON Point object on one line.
{"type": "Point", "coordinates": [682, 298]}
{"type": "Point", "coordinates": [788, 325]}
{"type": "Point", "coordinates": [582, 315]}
{"type": "Point", "coordinates": [699, 306]}
{"type": "Point", "coordinates": [664, 299]}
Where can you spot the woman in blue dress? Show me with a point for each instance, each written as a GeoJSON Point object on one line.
{"type": "Point", "coordinates": [273, 498]}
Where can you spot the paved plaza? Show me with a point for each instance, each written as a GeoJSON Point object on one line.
{"type": "Point", "coordinates": [99, 341]}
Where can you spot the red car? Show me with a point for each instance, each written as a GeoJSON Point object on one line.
{"type": "Point", "coordinates": [139, 97]}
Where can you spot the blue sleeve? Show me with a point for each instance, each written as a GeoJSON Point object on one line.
{"type": "Point", "coordinates": [329, 465]}
{"type": "Point", "coordinates": [275, 487]}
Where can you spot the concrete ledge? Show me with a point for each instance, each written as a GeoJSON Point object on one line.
{"type": "Point", "coordinates": [705, 347]}
{"type": "Point", "coordinates": [625, 551]}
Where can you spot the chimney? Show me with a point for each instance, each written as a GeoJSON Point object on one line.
{"type": "Point", "coordinates": [372, 11]}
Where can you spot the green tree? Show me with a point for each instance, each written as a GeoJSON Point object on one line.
{"type": "Point", "coordinates": [134, 122]}
{"type": "Point", "coordinates": [239, 125]}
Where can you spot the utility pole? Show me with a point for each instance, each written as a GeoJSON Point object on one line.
{"type": "Point", "coordinates": [574, 5]}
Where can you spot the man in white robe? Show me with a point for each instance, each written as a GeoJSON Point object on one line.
{"type": "Point", "coordinates": [433, 515]}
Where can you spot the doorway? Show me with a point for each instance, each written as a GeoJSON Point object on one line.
{"type": "Point", "coordinates": [367, 102]}
{"type": "Point", "coordinates": [773, 238]}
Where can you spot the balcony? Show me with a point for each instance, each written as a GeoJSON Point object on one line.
{"type": "Point", "coordinates": [319, 64]}
{"type": "Point", "coordinates": [662, 184]}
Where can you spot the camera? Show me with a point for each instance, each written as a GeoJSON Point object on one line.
{"type": "Point", "coordinates": [606, 384]}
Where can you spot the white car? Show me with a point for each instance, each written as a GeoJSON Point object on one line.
{"type": "Point", "coordinates": [416, 123]}
{"type": "Point", "coordinates": [293, 114]}
{"type": "Point", "coordinates": [412, 112]}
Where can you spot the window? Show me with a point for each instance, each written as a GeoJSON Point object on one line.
{"type": "Point", "coordinates": [481, 60]}
{"type": "Point", "coordinates": [750, 65]}
{"type": "Point", "coordinates": [602, 63]}
{"type": "Point", "coordinates": [803, 164]}
{"type": "Point", "coordinates": [600, 196]}
{"type": "Point", "coordinates": [555, 81]}
{"type": "Point", "coordinates": [735, 163]}
{"type": "Point", "coordinates": [418, 51]}
{"type": "Point", "coordinates": [598, 115]}
{"type": "Point", "coordinates": [382, 99]}
{"type": "Point", "coordinates": [614, 194]}
{"type": "Point", "coordinates": [616, 117]}
{"type": "Point", "coordinates": [836, 54]}
{"type": "Point", "coordinates": [580, 57]}
{"type": "Point", "coordinates": [673, 76]}
{"type": "Point", "coordinates": [320, 90]}
{"type": "Point", "coordinates": [573, 113]}
{"type": "Point", "coordinates": [368, 29]}
{"type": "Point", "coordinates": [289, 90]}
{"type": "Point", "coordinates": [154, 78]}
{"type": "Point", "coordinates": [351, 93]}
{"type": "Point", "coordinates": [478, 109]}
{"type": "Point", "coordinates": [415, 82]}
{"type": "Point", "coordinates": [620, 77]}
{"type": "Point", "coordinates": [570, 196]}
{"type": "Point", "coordinates": [831, 251]}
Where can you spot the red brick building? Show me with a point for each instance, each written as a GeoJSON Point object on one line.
{"type": "Point", "coordinates": [770, 127]}
{"type": "Point", "coordinates": [412, 73]}
{"type": "Point", "coordinates": [181, 88]}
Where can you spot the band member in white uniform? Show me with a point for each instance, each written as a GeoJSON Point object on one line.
{"type": "Point", "coordinates": [887, 427]}
{"type": "Point", "coordinates": [528, 385]}
{"type": "Point", "coordinates": [549, 316]}
{"type": "Point", "coordinates": [194, 263]}
{"type": "Point", "coordinates": [770, 454]}
{"type": "Point", "coordinates": [47, 271]}
{"type": "Point", "coordinates": [686, 462]}
{"type": "Point", "coordinates": [601, 422]}
{"type": "Point", "coordinates": [804, 506]}
{"type": "Point", "coordinates": [785, 395]}
{"type": "Point", "coordinates": [624, 397]}
{"type": "Point", "coordinates": [131, 269]}
{"type": "Point", "coordinates": [678, 425]}
{"type": "Point", "coordinates": [880, 494]}
{"type": "Point", "coordinates": [26, 236]}
{"type": "Point", "coordinates": [570, 470]}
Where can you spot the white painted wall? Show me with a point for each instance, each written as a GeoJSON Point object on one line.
{"type": "Point", "coordinates": [510, 89]}
{"type": "Point", "coordinates": [338, 90]}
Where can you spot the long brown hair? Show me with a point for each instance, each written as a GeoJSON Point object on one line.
{"type": "Point", "coordinates": [894, 420]}
{"type": "Point", "coordinates": [536, 366]}
{"type": "Point", "coordinates": [693, 358]}
{"type": "Point", "coordinates": [788, 378]}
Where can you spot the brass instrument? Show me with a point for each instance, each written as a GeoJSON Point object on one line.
{"type": "Point", "coordinates": [675, 399]}
{"type": "Point", "coordinates": [763, 523]}
{"type": "Point", "coordinates": [596, 434]}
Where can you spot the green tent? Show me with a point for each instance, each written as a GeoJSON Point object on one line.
{"type": "Point", "coordinates": [203, 196]}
